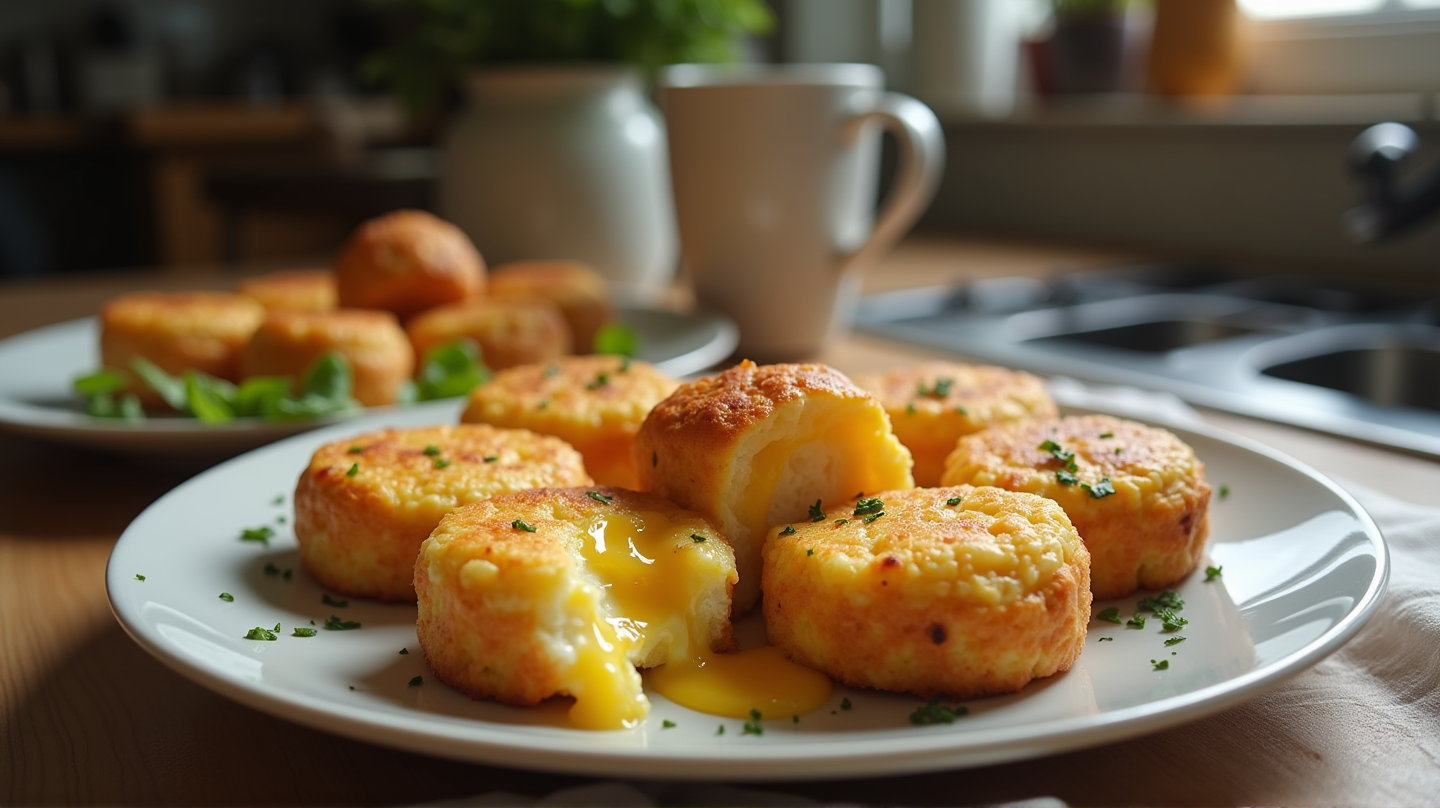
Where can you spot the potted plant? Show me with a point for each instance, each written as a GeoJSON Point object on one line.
{"type": "Point", "coordinates": [557, 151]}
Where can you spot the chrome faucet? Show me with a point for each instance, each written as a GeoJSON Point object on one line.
{"type": "Point", "coordinates": [1389, 207]}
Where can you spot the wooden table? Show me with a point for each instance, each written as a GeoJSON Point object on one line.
{"type": "Point", "coordinates": [87, 717]}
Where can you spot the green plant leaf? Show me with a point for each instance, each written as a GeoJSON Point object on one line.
{"type": "Point", "coordinates": [617, 338]}
{"type": "Point", "coordinates": [169, 388]}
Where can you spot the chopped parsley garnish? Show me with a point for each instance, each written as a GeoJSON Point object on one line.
{"type": "Point", "coordinates": [1110, 615]}
{"type": "Point", "coordinates": [1066, 477]}
{"type": "Point", "coordinates": [603, 499]}
{"type": "Point", "coordinates": [842, 521]}
{"type": "Point", "coordinates": [1169, 599]}
{"type": "Point", "coordinates": [354, 469]}
{"type": "Point", "coordinates": [329, 601]}
{"type": "Point", "coordinates": [417, 681]}
{"type": "Point", "coordinates": [869, 505]}
{"type": "Point", "coordinates": [753, 726]}
{"type": "Point", "coordinates": [845, 703]}
{"type": "Point", "coordinates": [936, 713]}
{"type": "Point", "coordinates": [271, 570]}
{"type": "Point", "coordinates": [1163, 664]}
{"type": "Point", "coordinates": [809, 552]}
{"type": "Point", "coordinates": [441, 462]}
{"type": "Point", "coordinates": [1170, 620]}
{"type": "Point", "coordinates": [447, 371]}
{"type": "Point", "coordinates": [940, 389]}
{"type": "Point", "coordinates": [301, 631]}
{"type": "Point", "coordinates": [1211, 573]}
{"type": "Point", "coordinates": [1058, 452]}
{"type": "Point", "coordinates": [432, 450]}
{"type": "Point", "coordinates": [227, 597]}
{"type": "Point", "coordinates": [543, 404]}
{"type": "Point", "coordinates": [960, 409]}
{"type": "Point", "coordinates": [817, 513]}
{"type": "Point", "coordinates": [625, 364]}
{"type": "Point", "coordinates": [261, 534]}
{"type": "Point", "coordinates": [953, 501]}
{"type": "Point", "coordinates": [872, 517]}
{"type": "Point", "coordinates": [601, 379]}
{"type": "Point", "coordinates": [1174, 641]}
{"type": "Point", "coordinates": [519, 524]}
{"type": "Point", "coordinates": [356, 450]}
{"type": "Point", "coordinates": [139, 577]}
{"type": "Point", "coordinates": [1107, 434]}
{"type": "Point", "coordinates": [1106, 639]}
{"type": "Point", "coordinates": [788, 531]}
{"type": "Point", "coordinates": [697, 538]}
{"type": "Point", "coordinates": [667, 724]}
{"type": "Point", "coordinates": [1138, 621]}
{"type": "Point", "coordinates": [1117, 450]}
{"type": "Point", "coordinates": [909, 409]}
{"type": "Point", "coordinates": [1224, 491]}
{"type": "Point", "coordinates": [404, 651]}
{"type": "Point", "coordinates": [616, 338]}
{"type": "Point", "coordinates": [280, 520]}
{"type": "Point", "coordinates": [334, 623]}
{"type": "Point", "coordinates": [259, 633]}
{"type": "Point", "coordinates": [490, 458]}
{"type": "Point", "coordinates": [279, 500]}
{"type": "Point", "coordinates": [720, 730]}
{"type": "Point", "coordinates": [1099, 490]}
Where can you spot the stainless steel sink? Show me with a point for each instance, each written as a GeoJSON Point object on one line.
{"type": "Point", "coordinates": [1358, 361]}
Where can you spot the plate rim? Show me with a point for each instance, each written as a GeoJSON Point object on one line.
{"type": "Point", "coordinates": [907, 751]}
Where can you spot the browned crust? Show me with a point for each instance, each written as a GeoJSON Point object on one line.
{"type": "Point", "coordinates": [406, 262]}
{"type": "Point", "coordinates": [510, 331]}
{"type": "Point", "coordinates": [379, 353]}
{"type": "Point", "coordinates": [1151, 533]}
{"type": "Point", "coordinates": [579, 291]}
{"type": "Point", "coordinates": [295, 289]}
{"type": "Point", "coordinates": [594, 403]}
{"type": "Point", "coordinates": [178, 331]}
{"type": "Point", "coordinates": [359, 533]}
{"type": "Point", "coordinates": [881, 604]}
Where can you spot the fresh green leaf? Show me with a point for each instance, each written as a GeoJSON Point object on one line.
{"type": "Point", "coordinates": [936, 713]}
{"type": "Point", "coordinates": [603, 499]}
{"type": "Point", "coordinates": [817, 513]}
{"type": "Point", "coordinates": [227, 597]}
{"type": "Point", "coordinates": [261, 534]}
{"type": "Point", "coordinates": [1110, 615]}
{"type": "Point", "coordinates": [869, 505]}
{"type": "Point", "coordinates": [519, 524]}
{"type": "Point", "coordinates": [100, 382]}
{"type": "Point", "coordinates": [259, 633]}
{"type": "Point", "coordinates": [301, 631]}
{"type": "Point", "coordinates": [1162, 665]}
{"type": "Point", "coordinates": [788, 531]}
{"type": "Point", "coordinates": [953, 501]}
{"type": "Point", "coordinates": [450, 370]}
{"type": "Point", "coordinates": [753, 726]}
{"type": "Point", "coordinates": [1174, 641]}
{"type": "Point", "coordinates": [1211, 573]}
{"type": "Point", "coordinates": [334, 623]}
{"type": "Point", "coordinates": [208, 398]}
{"type": "Point", "coordinates": [618, 339]}
{"type": "Point", "coordinates": [1099, 490]}
{"type": "Point", "coordinates": [169, 388]}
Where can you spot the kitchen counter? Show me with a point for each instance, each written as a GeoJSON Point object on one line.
{"type": "Point", "coordinates": [87, 717]}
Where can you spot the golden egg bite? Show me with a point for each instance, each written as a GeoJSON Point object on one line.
{"type": "Point", "coordinates": [594, 403]}
{"type": "Point", "coordinates": [510, 331]}
{"type": "Point", "coordinates": [932, 405]}
{"type": "Point", "coordinates": [288, 342]}
{"type": "Point", "coordinates": [364, 505]}
{"type": "Point", "coordinates": [758, 446]}
{"type": "Point", "coordinates": [406, 262]}
{"type": "Point", "coordinates": [178, 331]}
{"type": "Point", "coordinates": [581, 294]}
{"type": "Point", "coordinates": [298, 290]}
{"type": "Point", "coordinates": [565, 591]}
{"type": "Point", "coordinates": [958, 591]}
{"type": "Point", "coordinates": [1137, 494]}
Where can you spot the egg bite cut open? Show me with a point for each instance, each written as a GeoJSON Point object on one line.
{"type": "Point", "coordinates": [364, 504]}
{"type": "Point", "coordinates": [565, 592]}
{"type": "Point", "coordinates": [757, 446]}
{"type": "Point", "coordinates": [594, 403]}
{"type": "Point", "coordinates": [934, 404]}
{"type": "Point", "coordinates": [1137, 494]}
{"type": "Point", "coordinates": [962, 591]}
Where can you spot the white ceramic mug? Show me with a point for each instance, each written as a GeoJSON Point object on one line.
{"type": "Point", "coordinates": [775, 169]}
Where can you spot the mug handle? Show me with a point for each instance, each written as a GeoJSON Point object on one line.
{"type": "Point", "coordinates": [922, 158]}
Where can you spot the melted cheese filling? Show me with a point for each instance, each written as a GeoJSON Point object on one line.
{"type": "Point", "coordinates": [653, 582]}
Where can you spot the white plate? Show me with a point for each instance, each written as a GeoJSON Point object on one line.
{"type": "Point", "coordinates": [37, 367]}
{"type": "Point", "coordinates": [1304, 567]}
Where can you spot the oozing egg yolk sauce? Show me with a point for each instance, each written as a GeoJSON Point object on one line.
{"type": "Point", "coordinates": [651, 586]}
